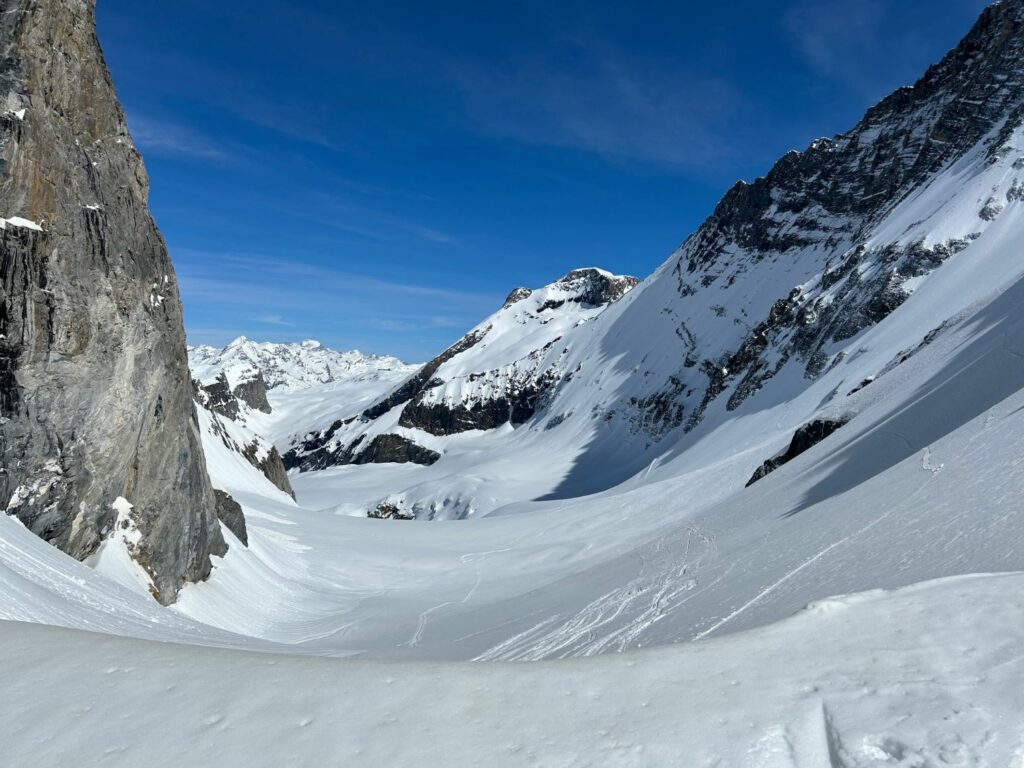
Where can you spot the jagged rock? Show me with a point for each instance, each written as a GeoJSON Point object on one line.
{"type": "Point", "coordinates": [803, 440]}
{"type": "Point", "coordinates": [516, 407]}
{"type": "Point", "coordinates": [382, 449]}
{"type": "Point", "coordinates": [96, 396]}
{"type": "Point", "coordinates": [516, 296]}
{"type": "Point", "coordinates": [595, 287]}
{"type": "Point", "coordinates": [395, 449]}
{"type": "Point", "coordinates": [219, 398]}
{"type": "Point", "coordinates": [223, 398]}
{"type": "Point", "coordinates": [250, 446]}
{"type": "Point", "coordinates": [253, 392]}
{"type": "Point", "coordinates": [230, 513]}
{"type": "Point", "coordinates": [388, 510]}
{"type": "Point", "coordinates": [267, 460]}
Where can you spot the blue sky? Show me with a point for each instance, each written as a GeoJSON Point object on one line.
{"type": "Point", "coordinates": [380, 175]}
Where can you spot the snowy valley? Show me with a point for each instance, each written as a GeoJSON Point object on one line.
{"type": "Point", "coordinates": [761, 508]}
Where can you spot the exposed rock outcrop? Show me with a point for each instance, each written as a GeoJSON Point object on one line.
{"type": "Point", "coordinates": [223, 398]}
{"type": "Point", "coordinates": [95, 392]}
{"type": "Point", "coordinates": [805, 438]}
{"type": "Point", "coordinates": [253, 392]}
{"type": "Point", "coordinates": [230, 513]}
{"type": "Point", "coordinates": [395, 449]}
{"type": "Point", "coordinates": [238, 438]}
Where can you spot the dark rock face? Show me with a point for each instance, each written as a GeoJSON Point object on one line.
{"type": "Point", "coordinates": [383, 449]}
{"type": "Point", "coordinates": [271, 465]}
{"type": "Point", "coordinates": [804, 439]}
{"type": "Point", "coordinates": [222, 399]}
{"type": "Point", "coordinates": [253, 392]}
{"type": "Point", "coordinates": [594, 288]}
{"type": "Point", "coordinates": [515, 408]}
{"type": "Point", "coordinates": [230, 513]}
{"type": "Point", "coordinates": [95, 391]}
{"type": "Point", "coordinates": [219, 398]}
{"type": "Point", "coordinates": [387, 510]}
{"type": "Point", "coordinates": [395, 449]}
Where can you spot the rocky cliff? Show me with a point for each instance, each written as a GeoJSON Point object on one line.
{"type": "Point", "coordinates": [95, 391]}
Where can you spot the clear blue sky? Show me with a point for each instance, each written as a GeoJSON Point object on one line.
{"type": "Point", "coordinates": [379, 175]}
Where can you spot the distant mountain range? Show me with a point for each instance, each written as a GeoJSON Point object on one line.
{"type": "Point", "coordinates": [288, 366]}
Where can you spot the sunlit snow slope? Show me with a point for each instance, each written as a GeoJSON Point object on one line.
{"type": "Point", "coordinates": [926, 677]}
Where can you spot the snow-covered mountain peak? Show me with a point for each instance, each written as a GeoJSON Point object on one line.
{"type": "Point", "coordinates": [588, 287]}
{"type": "Point", "coordinates": [496, 374]}
{"type": "Point", "coordinates": [288, 366]}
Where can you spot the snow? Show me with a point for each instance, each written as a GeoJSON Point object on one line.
{"type": "Point", "coordinates": [18, 221]}
{"type": "Point", "coordinates": [114, 557]}
{"type": "Point", "coordinates": [926, 676]}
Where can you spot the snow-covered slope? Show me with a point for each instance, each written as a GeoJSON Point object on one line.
{"type": "Point", "coordinates": [925, 677]}
{"type": "Point", "coordinates": [290, 366]}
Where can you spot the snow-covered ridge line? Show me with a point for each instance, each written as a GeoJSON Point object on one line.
{"type": "Point", "coordinates": [288, 366]}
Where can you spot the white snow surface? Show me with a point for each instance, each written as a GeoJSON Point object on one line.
{"type": "Point", "coordinates": [929, 676]}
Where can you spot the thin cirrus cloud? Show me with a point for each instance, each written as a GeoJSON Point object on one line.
{"type": "Point", "coordinates": [835, 37]}
{"type": "Point", "coordinates": [607, 105]}
{"type": "Point", "coordinates": [343, 215]}
{"type": "Point", "coordinates": [274, 320]}
{"type": "Point", "coordinates": [867, 44]}
{"type": "Point", "coordinates": [167, 138]}
{"type": "Point", "coordinates": [227, 290]}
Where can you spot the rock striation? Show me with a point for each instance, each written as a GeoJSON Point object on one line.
{"type": "Point", "coordinates": [95, 392]}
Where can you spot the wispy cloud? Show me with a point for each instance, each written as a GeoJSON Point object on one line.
{"type": "Point", "coordinates": [168, 138]}
{"type": "Point", "coordinates": [587, 93]}
{"type": "Point", "coordinates": [304, 297]}
{"type": "Point", "coordinates": [367, 222]}
{"type": "Point", "coordinates": [834, 37]}
{"type": "Point", "coordinates": [274, 320]}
